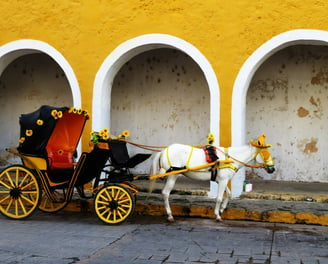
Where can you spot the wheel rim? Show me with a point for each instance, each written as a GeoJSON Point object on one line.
{"type": "Point", "coordinates": [114, 204]}
{"type": "Point", "coordinates": [49, 206]}
{"type": "Point", "coordinates": [19, 192]}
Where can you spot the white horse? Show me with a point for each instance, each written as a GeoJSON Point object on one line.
{"type": "Point", "coordinates": [178, 157]}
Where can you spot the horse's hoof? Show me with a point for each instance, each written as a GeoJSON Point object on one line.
{"type": "Point", "coordinates": [170, 219]}
{"type": "Point", "coordinates": [219, 220]}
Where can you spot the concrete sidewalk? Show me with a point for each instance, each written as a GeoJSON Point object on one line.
{"type": "Point", "coordinates": [269, 201]}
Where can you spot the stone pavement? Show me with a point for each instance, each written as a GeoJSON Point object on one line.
{"type": "Point", "coordinates": [270, 201]}
{"type": "Point", "coordinates": [68, 238]}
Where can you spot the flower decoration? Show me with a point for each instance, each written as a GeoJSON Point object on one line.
{"type": "Point", "coordinates": [39, 122]}
{"type": "Point", "coordinates": [59, 114]}
{"type": "Point", "coordinates": [102, 135]}
{"type": "Point", "coordinates": [210, 138]}
{"type": "Point", "coordinates": [56, 114]}
{"type": "Point", "coordinates": [60, 152]}
{"type": "Point", "coordinates": [72, 110]}
{"type": "Point", "coordinates": [29, 132]}
{"type": "Point", "coordinates": [125, 134]}
{"type": "Point", "coordinates": [22, 140]}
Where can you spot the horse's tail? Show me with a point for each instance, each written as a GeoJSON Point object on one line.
{"type": "Point", "coordinates": [154, 171]}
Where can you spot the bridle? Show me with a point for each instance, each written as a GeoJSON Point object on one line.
{"type": "Point", "coordinates": [261, 149]}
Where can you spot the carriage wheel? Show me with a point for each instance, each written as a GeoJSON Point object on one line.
{"type": "Point", "coordinates": [114, 203]}
{"type": "Point", "coordinates": [20, 192]}
{"type": "Point", "coordinates": [49, 206]}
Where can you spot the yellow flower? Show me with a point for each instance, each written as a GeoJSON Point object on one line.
{"type": "Point", "coordinates": [29, 132]}
{"type": "Point", "coordinates": [54, 113]}
{"type": "Point", "coordinates": [124, 134]}
{"type": "Point", "coordinates": [104, 130]}
{"type": "Point", "coordinates": [210, 138]}
{"type": "Point", "coordinates": [60, 152]}
{"type": "Point", "coordinates": [105, 136]}
{"type": "Point", "coordinates": [39, 122]}
{"type": "Point", "coordinates": [59, 114]}
{"type": "Point", "coordinates": [21, 140]}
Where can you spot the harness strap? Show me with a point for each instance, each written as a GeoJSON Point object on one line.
{"type": "Point", "coordinates": [189, 157]}
{"type": "Point", "coordinates": [228, 165]}
{"type": "Point", "coordinates": [172, 168]}
{"type": "Point", "coordinates": [167, 156]}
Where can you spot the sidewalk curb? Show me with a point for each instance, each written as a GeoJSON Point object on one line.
{"type": "Point", "coordinates": [274, 211]}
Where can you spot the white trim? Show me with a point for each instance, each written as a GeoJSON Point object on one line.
{"type": "Point", "coordinates": [239, 94]}
{"type": "Point", "coordinates": [130, 48]}
{"type": "Point", "coordinates": [18, 48]}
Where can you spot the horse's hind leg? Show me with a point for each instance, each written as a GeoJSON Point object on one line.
{"type": "Point", "coordinates": [219, 198]}
{"type": "Point", "coordinates": [226, 199]}
{"type": "Point", "coordinates": [170, 182]}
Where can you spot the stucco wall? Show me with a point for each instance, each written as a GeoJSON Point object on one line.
{"type": "Point", "coordinates": [288, 99]}
{"type": "Point", "coordinates": [225, 33]}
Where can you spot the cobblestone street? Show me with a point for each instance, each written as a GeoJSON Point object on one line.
{"type": "Point", "coordinates": [78, 238]}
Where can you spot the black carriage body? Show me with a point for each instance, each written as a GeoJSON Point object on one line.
{"type": "Point", "coordinates": [48, 141]}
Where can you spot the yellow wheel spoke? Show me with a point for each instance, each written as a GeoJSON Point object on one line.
{"type": "Point", "coordinates": [103, 202]}
{"type": "Point", "coordinates": [116, 195]}
{"type": "Point", "coordinates": [119, 213]}
{"type": "Point", "coordinates": [22, 205]}
{"type": "Point", "coordinates": [23, 180]}
{"type": "Point", "coordinates": [10, 180]}
{"type": "Point", "coordinates": [27, 200]}
{"type": "Point", "coordinates": [4, 199]}
{"type": "Point", "coordinates": [104, 197]}
{"type": "Point", "coordinates": [107, 210]}
{"type": "Point", "coordinates": [16, 207]}
{"type": "Point", "coordinates": [122, 210]}
{"type": "Point", "coordinates": [124, 201]}
{"type": "Point", "coordinates": [28, 185]}
{"type": "Point", "coordinates": [5, 185]}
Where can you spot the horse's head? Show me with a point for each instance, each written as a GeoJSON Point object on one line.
{"type": "Point", "coordinates": [262, 154]}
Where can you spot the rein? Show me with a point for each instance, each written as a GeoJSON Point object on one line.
{"type": "Point", "coordinates": [241, 162]}
{"type": "Point", "coordinates": [159, 148]}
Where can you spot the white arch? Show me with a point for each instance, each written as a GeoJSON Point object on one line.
{"type": "Point", "coordinates": [129, 49]}
{"type": "Point", "coordinates": [18, 48]}
{"type": "Point", "coordinates": [239, 94]}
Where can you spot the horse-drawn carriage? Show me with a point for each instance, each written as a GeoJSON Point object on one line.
{"type": "Point", "coordinates": [48, 175]}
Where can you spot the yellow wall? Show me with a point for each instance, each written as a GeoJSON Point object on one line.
{"type": "Point", "coordinates": [85, 32]}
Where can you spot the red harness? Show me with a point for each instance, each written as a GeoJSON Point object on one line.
{"type": "Point", "coordinates": [210, 154]}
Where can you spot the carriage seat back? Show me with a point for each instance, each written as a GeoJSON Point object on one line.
{"type": "Point", "coordinates": [60, 159]}
{"type": "Point", "coordinates": [120, 157]}
{"type": "Point", "coordinates": [118, 153]}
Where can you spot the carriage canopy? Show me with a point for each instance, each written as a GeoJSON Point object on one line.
{"type": "Point", "coordinates": [50, 129]}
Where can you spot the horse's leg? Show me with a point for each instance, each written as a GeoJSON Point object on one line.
{"type": "Point", "coordinates": [170, 182]}
{"type": "Point", "coordinates": [222, 186]}
{"type": "Point", "coordinates": [226, 199]}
